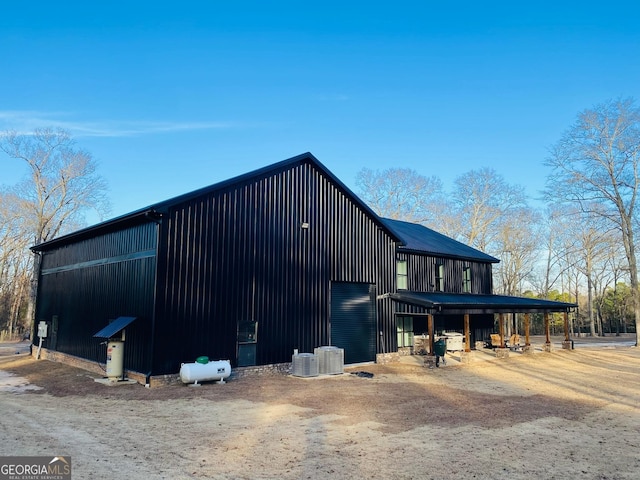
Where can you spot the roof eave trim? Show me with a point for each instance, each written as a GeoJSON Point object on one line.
{"type": "Point", "coordinates": [490, 259]}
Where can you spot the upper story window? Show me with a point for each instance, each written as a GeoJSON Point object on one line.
{"type": "Point", "coordinates": [401, 275]}
{"type": "Point", "coordinates": [439, 285]}
{"type": "Point", "coordinates": [466, 280]}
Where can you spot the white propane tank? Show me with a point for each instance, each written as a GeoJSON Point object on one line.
{"type": "Point", "coordinates": [202, 372]}
{"type": "Point", "coordinates": [115, 359]}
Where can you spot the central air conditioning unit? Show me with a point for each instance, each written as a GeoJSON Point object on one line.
{"type": "Point", "coordinates": [304, 365]}
{"type": "Point", "coordinates": [330, 360]}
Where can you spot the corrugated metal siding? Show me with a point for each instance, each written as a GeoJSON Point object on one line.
{"type": "Point", "coordinates": [241, 254]}
{"type": "Point", "coordinates": [90, 282]}
{"type": "Point", "coordinates": [386, 262]}
{"type": "Point", "coordinates": [421, 270]}
{"type": "Point", "coordinates": [134, 239]}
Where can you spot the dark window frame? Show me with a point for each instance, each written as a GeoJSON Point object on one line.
{"type": "Point", "coordinates": [439, 280]}
{"type": "Point", "coordinates": [466, 279]}
{"type": "Point", "coordinates": [402, 278]}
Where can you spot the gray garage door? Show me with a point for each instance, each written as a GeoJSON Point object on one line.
{"type": "Point", "coordinates": [353, 320]}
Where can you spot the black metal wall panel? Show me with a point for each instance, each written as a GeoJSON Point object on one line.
{"type": "Point", "coordinates": [264, 250]}
{"type": "Point", "coordinates": [386, 263]}
{"type": "Point", "coordinates": [421, 271]}
{"type": "Point", "coordinates": [88, 283]}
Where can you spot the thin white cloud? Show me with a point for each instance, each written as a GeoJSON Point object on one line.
{"type": "Point", "coordinates": [26, 121]}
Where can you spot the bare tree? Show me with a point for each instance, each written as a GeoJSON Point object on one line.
{"type": "Point", "coordinates": [591, 248]}
{"type": "Point", "coordinates": [483, 200]}
{"type": "Point", "coordinates": [14, 264]}
{"type": "Point", "coordinates": [401, 194]}
{"type": "Point", "coordinates": [595, 166]}
{"type": "Point", "coordinates": [605, 274]}
{"type": "Point", "coordinates": [62, 185]}
{"type": "Point", "coordinates": [552, 269]}
{"type": "Point", "coordinates": [518, 244]}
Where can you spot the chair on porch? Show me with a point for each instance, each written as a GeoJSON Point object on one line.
{"type": "Point", "coordinates": [495, 340]}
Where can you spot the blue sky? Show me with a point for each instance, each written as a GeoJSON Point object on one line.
{"type": "Point", "coordinates": [170, 97]}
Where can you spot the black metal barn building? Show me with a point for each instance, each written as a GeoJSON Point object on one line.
{"type": "Point", "coordinates": [249, 269]}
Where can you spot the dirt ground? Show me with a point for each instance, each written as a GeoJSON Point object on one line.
{"type": "Point", "coordinates": [559, 415]}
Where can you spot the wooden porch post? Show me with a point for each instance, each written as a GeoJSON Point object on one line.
{"type": "Point", "coordinates": [430, 330]}
{"type": "Point", "coordinates": [547, 344]}
{"type": "Point", "coordinates": [503, 351]}
{"type": "Point", "coordinates": [567, 344]}
{"type": "Point", "coordinates": [527, 349]}
{"type": "Point", "coordinates": [430, 360]}
{"type": "Point", "coordinates": [467, 340]}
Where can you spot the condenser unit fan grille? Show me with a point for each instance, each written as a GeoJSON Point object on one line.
{"type": "Point", "coordinates": [330, 360]}
{"type": "Point", "coordinates": [304, 365]}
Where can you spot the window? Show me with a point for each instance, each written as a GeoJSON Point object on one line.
{"type": "Point", "coordinates": [439, 286]}
{"type": "Point", "coordinates": [401, 275]}
{"type": "Point", "coordinates": [248, 332]}
{"type": "Point", "coordinates": [466, 280]}
{"type": "Point", "coordinates": [405, 331]}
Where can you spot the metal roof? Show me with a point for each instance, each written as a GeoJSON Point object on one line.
{"type": "Point", "coordinates": [154, 212]}
{"type": "Point", "coordinates": [418, 238]}
{"type": "Point", "coordinates": [456, 303]}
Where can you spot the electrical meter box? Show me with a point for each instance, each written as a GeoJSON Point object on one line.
{"type": "Point", "coordinates": [43, 329]}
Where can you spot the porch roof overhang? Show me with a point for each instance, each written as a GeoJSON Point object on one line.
{"type": "Point", "coordinates": [461, 303]}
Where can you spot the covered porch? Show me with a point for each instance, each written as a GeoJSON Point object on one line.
{"type": "Point", "coordinates": [437, 303]}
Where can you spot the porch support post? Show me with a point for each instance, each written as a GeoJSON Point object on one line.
{"type": "Point", "coordinates": [465, 357]}
{"type": "Point", "coordinates": [430, 330]}
{"type": "Point", "coordinates": [547, 343]}
{"type": "Point", "coordinates": [567, 344]}
{"type": "Point", "coordinates": [527, 341]}
{"type": "Point", "coordinates": [430, 360]}
{"type": "Point", "coordinates": [467, 339]}
{"type": "Point", "coordinates": [501, 352]}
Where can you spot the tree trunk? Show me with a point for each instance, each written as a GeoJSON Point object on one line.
{"type": "Point", "coordinates": [33, 293]}
{"type": "Point", "coordinates": [592, 325]}
{"type": "Point", "coordinates": [633, 275]}
{"type": "Point", "coordinates": [14, 311]}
